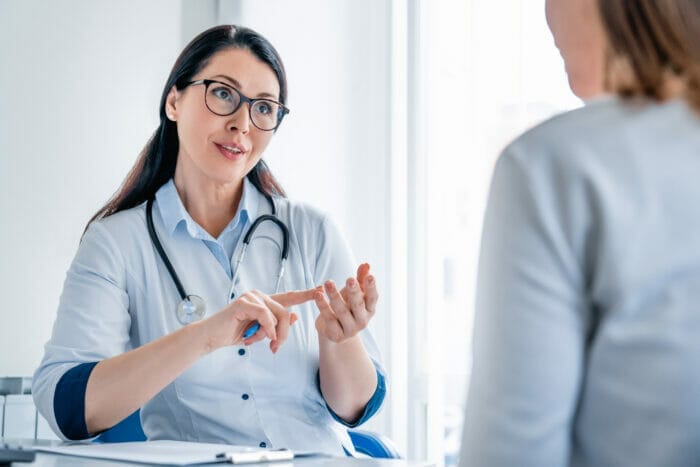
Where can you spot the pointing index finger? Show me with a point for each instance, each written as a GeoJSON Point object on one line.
{"type": "Point", "coordinates": [295, 297]}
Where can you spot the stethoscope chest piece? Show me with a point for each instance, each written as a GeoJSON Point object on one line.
{"type": "Point", "coordinates": [191, 309]}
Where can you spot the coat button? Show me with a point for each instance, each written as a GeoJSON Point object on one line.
{"type": "Point", "coordinates": [263, 444]}
{"type": "Point", "coordinates": [245, 397]}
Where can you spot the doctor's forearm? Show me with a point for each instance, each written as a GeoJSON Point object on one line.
{"type": "Point", "coordinates": [348, 377]}
{"type": "Point", "coordinates": [119, 385]}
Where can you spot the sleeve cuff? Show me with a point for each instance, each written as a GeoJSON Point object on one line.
{"type": "Point", "coordinates": [69, 401]}
{"type": "Point", "coordinates": [373, 405]}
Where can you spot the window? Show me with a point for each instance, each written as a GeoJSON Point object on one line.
{"type": "Point", "coordinates": [483, 72]}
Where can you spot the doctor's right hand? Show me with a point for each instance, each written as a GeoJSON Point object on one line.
{"type": "Point", "coordinates": [228, 325]}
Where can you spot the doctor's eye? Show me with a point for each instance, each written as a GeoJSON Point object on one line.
{"type": "Point", "coordinates": [223, 93]}
{"type": "Point", "coordinates": [265, 108]}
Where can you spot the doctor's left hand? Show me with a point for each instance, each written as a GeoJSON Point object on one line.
{"type": "Point", "coordinates": [348, 311]}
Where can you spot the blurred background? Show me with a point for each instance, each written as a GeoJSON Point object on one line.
{"type": "Point", "coordinates": [399, 110]}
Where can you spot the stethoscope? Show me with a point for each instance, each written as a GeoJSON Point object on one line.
{"type": "Point", "coordinates": [192, 307]}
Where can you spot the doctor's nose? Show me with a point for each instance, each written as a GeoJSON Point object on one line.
{"type": "Point", "coordinates": [240, 119]}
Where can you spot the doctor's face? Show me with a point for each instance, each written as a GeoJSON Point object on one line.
{"type": "Point", "coordinates": [222, 149]}
{"type": "Point", "coordinates": [579, 36]}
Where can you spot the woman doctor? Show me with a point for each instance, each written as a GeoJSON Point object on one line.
{"type": "Point", "coordinates": [119, 342]}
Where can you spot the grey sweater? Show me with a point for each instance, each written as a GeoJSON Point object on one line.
{"type": "Point", "coordinates": [587, 332]}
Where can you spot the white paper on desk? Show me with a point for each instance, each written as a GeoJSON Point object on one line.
{"type": "Point", "coordinates": [159, 452]}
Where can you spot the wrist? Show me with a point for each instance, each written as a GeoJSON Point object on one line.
{"type": "Point", "coordinates": [328, 345]}
{"type": "Point", "coordinates": [198, 335]}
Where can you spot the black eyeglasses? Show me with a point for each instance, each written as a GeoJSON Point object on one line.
{"type": "Point", "coordinates": [223, 99]}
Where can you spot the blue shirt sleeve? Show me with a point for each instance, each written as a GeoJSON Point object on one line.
{"type": "Point", "coordinates": [69, 401]}
{"type": "Point", "coordinates": [372, 406]}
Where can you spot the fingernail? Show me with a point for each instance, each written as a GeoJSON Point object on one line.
{"type": "Point", "coordinates": [351, 283]}
{"type": "Point", "coordinates": [370, 279]}
{"type": "Point", "coordinates": [292, 319]}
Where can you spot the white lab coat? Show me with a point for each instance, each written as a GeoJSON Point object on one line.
{"type": "Point", "coordinates": [118, 295]}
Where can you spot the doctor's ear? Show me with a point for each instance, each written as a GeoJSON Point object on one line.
{"type": "Point", "coordinates": [171, 104]}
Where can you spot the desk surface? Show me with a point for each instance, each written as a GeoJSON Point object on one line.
{"type": "Point", "coordinates": [45, 459]}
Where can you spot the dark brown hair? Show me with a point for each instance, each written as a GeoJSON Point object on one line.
{"type": "Point", "coordinates": [654, 48]}
{"type": "Point", "coordinates": [156, 163]}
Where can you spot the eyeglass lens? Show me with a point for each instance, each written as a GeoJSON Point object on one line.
{"type": "Point", "coordinates": [224, 100]}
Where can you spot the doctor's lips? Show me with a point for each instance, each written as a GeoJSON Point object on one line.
{"type": "Point", "coordinates": [231, 150]}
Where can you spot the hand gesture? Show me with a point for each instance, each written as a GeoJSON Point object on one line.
{"type": "Point", "coordinates": [346, 312]}
{"type": "Point", "coordinates": [228, 325]}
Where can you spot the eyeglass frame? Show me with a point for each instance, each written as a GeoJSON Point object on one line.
{"type": "Point", "coordinates": [281, 112]}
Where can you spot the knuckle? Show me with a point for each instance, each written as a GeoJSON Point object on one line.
{"type": "Point", "coordinates": [362, 321]}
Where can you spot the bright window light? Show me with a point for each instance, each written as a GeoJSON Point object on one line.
{"type": "Point", "coordinates": [491, 71]}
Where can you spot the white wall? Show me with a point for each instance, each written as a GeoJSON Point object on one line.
{"type": "Point", "coordinates": [80, 83]}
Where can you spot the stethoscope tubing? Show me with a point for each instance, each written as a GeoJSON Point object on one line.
{"type": "Point", "coordinates": [246, 242]}
{"type": "Point", "coordinates": [161, 252]}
